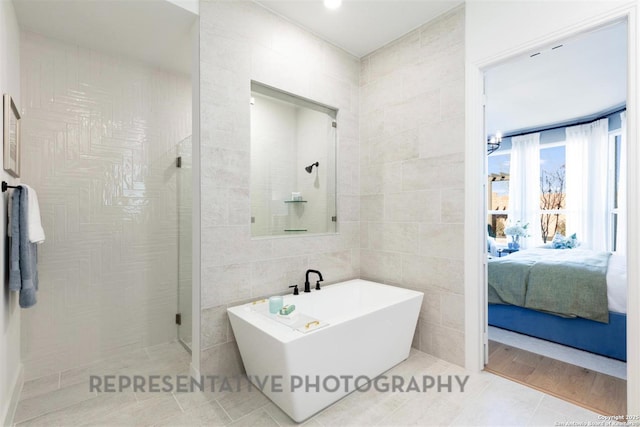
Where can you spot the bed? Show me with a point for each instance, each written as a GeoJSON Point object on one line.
{"type": "Point", "coordinates": [574, 297]}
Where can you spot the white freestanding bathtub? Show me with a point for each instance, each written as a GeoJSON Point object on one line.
{"type": "Point", "coordinates": [367, 328]}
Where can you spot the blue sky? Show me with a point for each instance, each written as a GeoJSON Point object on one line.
{"type": "Point", "coordinates": [551, 160]}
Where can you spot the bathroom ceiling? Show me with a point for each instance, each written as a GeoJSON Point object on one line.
{"type": "Point", "coordinates": [585, 76]}
{"type": "Point", "coordinates": [360, 26]}
{"type": "Point", "coordinates": [155, 32]}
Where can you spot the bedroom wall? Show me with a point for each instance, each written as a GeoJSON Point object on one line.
{"type": "Point", "coordinates": [10, 367]}
{"type": "Point", "coordinates": [240, 42]}
{"type": "Point", "coordinates": [412, 175]}
{"type": "Point", "coordinates": [559, 135]}
{"type": "Point", "coordinates": [521, 22]}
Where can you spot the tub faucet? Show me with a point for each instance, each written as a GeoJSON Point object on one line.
{"type": "Point", "coordinates": [306, 280]}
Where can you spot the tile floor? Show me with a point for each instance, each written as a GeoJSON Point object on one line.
{"type": "Point", "coordinates": [64, 400]}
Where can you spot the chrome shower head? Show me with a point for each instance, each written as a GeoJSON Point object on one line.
{"type": "Point", "coordinates": [310, 167]}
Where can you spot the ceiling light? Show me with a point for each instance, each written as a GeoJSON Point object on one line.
{"type": "Point", "coordinates": [332, 4]}
{"type": "Point", "coordinates": [493, 142]}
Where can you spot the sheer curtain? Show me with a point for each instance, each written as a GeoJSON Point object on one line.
{"type": "Point", "coordinates": [621, 232]}
{"type": "Point", "coordinates": [524, 186]}
{"type": "Point", "coordinates": [587, 153]}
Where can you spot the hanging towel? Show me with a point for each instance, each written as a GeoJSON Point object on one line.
{"type": "Point", "coordinates": [35, 230]}
{"type": "Point", "coordinates": [9, 213]}
{"type": "Point", "coordinates": [23, 256]}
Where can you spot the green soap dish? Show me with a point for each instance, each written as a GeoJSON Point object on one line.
{"type": "Point", "coordinates": [287, 309]}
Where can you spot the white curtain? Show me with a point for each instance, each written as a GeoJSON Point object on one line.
{"type": "Point", "coordinates": [587, 162]}
{"type": "Point", "coordinates": [621, 235]}
{"type": "Point", "coordinates": [524, 186]}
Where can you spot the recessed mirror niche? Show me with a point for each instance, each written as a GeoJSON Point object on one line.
{"type": "Point", "coordinates": [293, 164]}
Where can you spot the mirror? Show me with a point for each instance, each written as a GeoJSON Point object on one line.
{"type": "Point", "coordinates": [293, 164]}
{"type": "Point", "coordinates": [11, 137]}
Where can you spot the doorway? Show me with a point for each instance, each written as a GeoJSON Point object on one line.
{"type": "Point", "coordinates": [551, 134]}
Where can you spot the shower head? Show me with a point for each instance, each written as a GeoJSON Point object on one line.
{"type": "Point", "coordinates": [310, 167]}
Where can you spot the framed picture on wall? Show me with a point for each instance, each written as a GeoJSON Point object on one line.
{"type": "Point", "coordinates": [11, 137]}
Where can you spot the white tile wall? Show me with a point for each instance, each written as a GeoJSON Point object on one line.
{"type": "Point", "coordinates": [99, 146]}
{"type": "Point", "coordinates": [240, 42]}
{"type": "Point", "coordinates": [100, 135]}
{"type": "Point", "coordinates": [10, 371]}
{"type": "Point", "coordinates": [412, 175]}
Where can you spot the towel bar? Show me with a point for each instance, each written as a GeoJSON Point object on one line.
{"type": "Point", "coordinates": [6, 186]}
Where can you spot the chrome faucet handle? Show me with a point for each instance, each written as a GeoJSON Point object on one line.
{"type": "Point", "coordinates": [295, 289]}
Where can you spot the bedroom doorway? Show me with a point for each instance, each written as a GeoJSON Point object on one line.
{"type": "Point", "coordinates": [555, 122]}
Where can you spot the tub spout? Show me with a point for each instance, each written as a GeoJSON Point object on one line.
{"type": "Point", "coordinates": [306, 280]}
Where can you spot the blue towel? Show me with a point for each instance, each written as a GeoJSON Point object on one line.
{"type": "Point", "coordinates": [23, 257]}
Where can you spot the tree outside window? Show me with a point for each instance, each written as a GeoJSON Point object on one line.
{"type": "Point", "coordinates": [552, 192]}
{"type": "Point", "coordinates": [498, 196]}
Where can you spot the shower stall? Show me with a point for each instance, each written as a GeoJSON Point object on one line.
{"type": "Point", "coordinates": [100, 149]}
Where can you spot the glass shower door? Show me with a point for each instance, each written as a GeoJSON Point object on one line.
{"type": "Point", "coordinates": [185, 209]}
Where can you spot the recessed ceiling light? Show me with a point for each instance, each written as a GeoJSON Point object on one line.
{"type": "Point", "coordinates": [332, 4]}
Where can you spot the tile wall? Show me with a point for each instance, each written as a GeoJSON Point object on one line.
{"type": "Point", "coordinates": [412, 175]}
{"type": "Point", "coordinates": [99, 146]}
{"type": "Point", "coordinates": [240, 42]}
{"type": "Point", "coordinates": [10, 368]}
{"type": "Point", "coordinates": [100, 126]}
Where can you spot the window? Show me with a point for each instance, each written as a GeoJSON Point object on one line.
{"type": "Point", "coordinates": [561, 211]}
{"type": "Point", "coordinates": [498, 195]}
{"type": "Point", "coordinates": [552, 191]}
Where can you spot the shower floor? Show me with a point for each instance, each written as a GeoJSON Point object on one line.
{"type": "Point", "coordinates": [65, 400]}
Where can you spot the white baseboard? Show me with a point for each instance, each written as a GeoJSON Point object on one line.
{"type": "Point", "coordinates": [16, 389]}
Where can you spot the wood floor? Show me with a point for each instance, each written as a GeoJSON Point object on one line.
{"type": "Point", "coordinates": [597, 392]}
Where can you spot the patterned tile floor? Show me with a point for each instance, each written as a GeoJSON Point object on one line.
{"type": "Point", "coordinates": [65, 400]}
